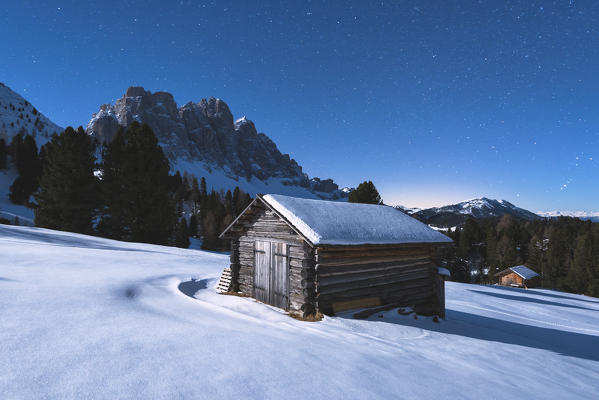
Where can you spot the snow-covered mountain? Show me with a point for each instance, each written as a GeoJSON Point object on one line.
{"type": "Point", "coordinates": [456, 214]}
{"type": "Point", "coordinates": [408, 210]}
{"type": "Point", "coordinates": [584, 215]}
{"type": "Point", "coordinates": [204, 139]}
{"type": "Point", "coordinates": [18, 115]}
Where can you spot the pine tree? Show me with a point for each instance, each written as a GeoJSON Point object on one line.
{"type": "Point", "coordinates": [507, 253]}
{"type": "Point", "coordinates": [229, 203]}
{"type": "Point", "coordinates": [367, 193]}
{"type": "Point", "coordinates": [534, 258]}
{"type": "Point", "coordinates": [193, 226]}
{"type": "Point", "coordinates": [3, 154]}
{"type": "Point", "coordinates": [182, 234]}
{"type": "Point", "coordinates": [25, 157]}
{"type": "Point", "coordinates": [209, 231]}
{"type": "Point", "coordinates": [136, 191]}
{"type": "Point", "coordinates": [580, 273]}
{"type": "Point", "coordinates": [67, 196]}
{"type": "Point", "coordinates": [594, 267]}
{"type": "Point", "coordinates": [469, 235]}
{"type": "Point", "coordinates": [237, 201]}
{"type": "Point", "coordinates": [491, 253]}
{"type": "Point", "coordinates": [195, 194]}
{"type": "Point", "coordinates": [203, 190]}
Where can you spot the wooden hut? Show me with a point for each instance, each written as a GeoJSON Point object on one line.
{"type": "Point", "coordinates": [307, 255]}
{"type": "Point", "coordinates": [519, 276]}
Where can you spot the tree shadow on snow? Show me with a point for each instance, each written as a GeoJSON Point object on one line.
{"type": "Point", "coordinates": [529, 299]}
{"type": "Point", "coordinates": [541, 293]}
{"type": "Point", "coordinates": [474, 326]}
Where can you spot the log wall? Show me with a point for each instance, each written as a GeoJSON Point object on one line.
{"type": "Point", "coordinates": [402, 274]}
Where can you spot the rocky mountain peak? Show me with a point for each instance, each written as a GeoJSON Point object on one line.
{"type": "Point", "coordinates": [204, 139]}
{"type": "Point", "coordinates": [135, 91]}
{"type": "Point", "coordinates": [217, 111]}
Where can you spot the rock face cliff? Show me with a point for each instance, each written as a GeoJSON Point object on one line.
{"type": "Point", "coordinates": [204, 139]}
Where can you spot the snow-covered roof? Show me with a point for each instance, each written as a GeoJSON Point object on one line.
{"type": "Point", "coordinates": [340, 223]}
{"type": "Point", "coordinates": [524, 272]}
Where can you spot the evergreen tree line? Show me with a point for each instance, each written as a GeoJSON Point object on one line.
{"type": "Point", "coordinates": [211, 211]}
{"type": "Point", "coordinates": [564, 251]}
{"type": "Point", "coordinates": [23, 151]}
{"type": "Point", "coordinates": [3, 154]}
{"type": "Point", "coordinates": [128, 196]}
{"type": "Point", "coordinates": [365, 193]}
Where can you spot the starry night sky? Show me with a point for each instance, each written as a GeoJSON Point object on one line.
{"type": "Point", "coordinates": [435, 101]}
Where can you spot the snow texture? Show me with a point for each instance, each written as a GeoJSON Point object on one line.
{"type": "Point", "coordinates": [85, 317]}
{"type": "Point", "coordinates": [524, 272]}
{"type": "Point", "coordinates": [341, 223]}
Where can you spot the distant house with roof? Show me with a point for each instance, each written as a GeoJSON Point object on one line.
{"type": "Point", "coordinates": [519, 276]}
{"type": "Point", "coordinates": [306, 255]}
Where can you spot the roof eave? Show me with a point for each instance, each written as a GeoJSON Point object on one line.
{"type": "Point", "coordinates": [407, 244]}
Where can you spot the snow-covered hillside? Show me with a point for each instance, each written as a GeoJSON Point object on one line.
{"type": "Point", "coordinates": [17, 114]}
{"type": "Point", "coordinates": [84, 317]}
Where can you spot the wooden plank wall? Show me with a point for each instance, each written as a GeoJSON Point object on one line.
{"type": "Point", "coordinates": [261, 223]}
{"type": "Point", "coordinates": [404, 274]}
{"type": "Point", "coordinates": [512, 278]}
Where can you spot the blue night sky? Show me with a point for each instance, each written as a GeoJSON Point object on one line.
{"type": "Point", "coordinates": [435, 101]}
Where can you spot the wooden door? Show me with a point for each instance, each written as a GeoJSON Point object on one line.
{"type": "Point", "coordinates": [279, 275]}
{"type": "Point", "coordinates": [261, 270]}
{"type": "Point", "coordinates": [271, 278]}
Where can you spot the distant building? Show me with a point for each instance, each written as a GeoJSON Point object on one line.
{"type": "Point", "coordinates": [311, 255]}
{"type": "Point", "coordinates": [519, 276]}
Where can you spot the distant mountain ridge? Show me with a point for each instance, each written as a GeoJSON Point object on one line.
{"type": "Point", "coordinates": [456, 214]}
{"type": "Point", "coordinates": [584, 215]}
{"type": "Point", "coordinates": [18, 115]}
{"type": "Point", "coordinates": [204, 139]}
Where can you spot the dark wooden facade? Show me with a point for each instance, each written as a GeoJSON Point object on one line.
{"type": "Point", "coordinates": [272, 262]}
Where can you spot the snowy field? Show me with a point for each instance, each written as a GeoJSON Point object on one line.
{"type": "Point", "coordinates": [83, 317]}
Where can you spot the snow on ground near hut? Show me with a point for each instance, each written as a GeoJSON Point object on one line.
{"type": "Point", "coordinates": [84, 317]}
